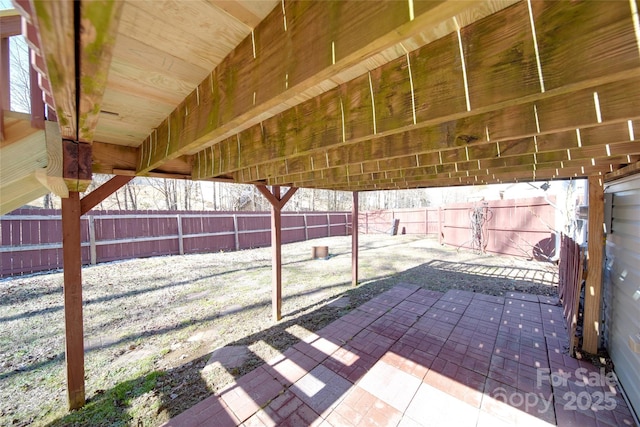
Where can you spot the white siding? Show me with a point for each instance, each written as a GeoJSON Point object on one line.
{"type": "Point", "coordinates": [622, 274]}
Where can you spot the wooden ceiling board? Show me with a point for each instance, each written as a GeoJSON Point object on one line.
{"type": "Point", "coordinates": [193, 31]}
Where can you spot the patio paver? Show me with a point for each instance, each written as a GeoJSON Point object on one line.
{"type": "Point", "coordinates": [414, 357]}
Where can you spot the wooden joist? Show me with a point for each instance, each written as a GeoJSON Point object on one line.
{"type": "Point", "coordinates": [297, 52]}
{"type": "Point", "coordinates": [552, 170]}
{"type": "Point", "coordinates": [52, 176]}
{"type": "Point", "coordinates": [425, 150]}
{"type": "Point", "coordinates": [410, 113]}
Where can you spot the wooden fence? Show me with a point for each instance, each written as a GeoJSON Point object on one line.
{"type": "Point", "coordinates": [30, 240]}
{"type": "Point", "coordinates": [521, 227]}
{"type": "Point", "coordinates": [569, 284]}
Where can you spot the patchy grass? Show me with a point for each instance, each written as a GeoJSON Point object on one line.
{"type": "Point", "coordinates": [152, 324]}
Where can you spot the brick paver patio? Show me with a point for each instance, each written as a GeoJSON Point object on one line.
{"type": "Point", "coordinates": [414, 357]}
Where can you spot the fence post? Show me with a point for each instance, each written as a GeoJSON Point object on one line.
{"type": "Point", "coordinates": [306, 231]}
{"type": "Point", "coordinates": [366, 223]}
{"type": "Point", "coordinates": [328, 226]}
{"type": "Point", "coordinates": [440, 230]}
{"type": "Point", "coordinates": [346, 224]}
{"type": "Point", "coordinates": [235, 232]}
{"type": "Point", "coordinates": [426, 221]}
{"type": "Point", "coordinates": [92, 240]}
{"type": "Point", "coordinates": [180, 240]}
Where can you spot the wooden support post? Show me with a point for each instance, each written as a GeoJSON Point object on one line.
{"type": "Point", "coordinates": [37, 102]}
{"type": "Point", "coordinates": [277, 203]}
{"type": "Point", "coordinates": [354, 240]}
{"type": "Point", "coordinates": [72, 263]}
{"type": "Point", "coordinates": [276, 254]}
{"type": "Point", "coordinates": [595, 248]}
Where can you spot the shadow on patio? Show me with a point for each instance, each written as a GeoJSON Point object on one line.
{"type": "Point", "coordinates": [417, 357]}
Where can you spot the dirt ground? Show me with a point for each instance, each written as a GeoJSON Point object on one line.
{"type": "Point", "coordinates": [163, 333]}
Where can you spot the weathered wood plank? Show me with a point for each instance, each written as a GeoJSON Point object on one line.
{"type": "Point", "coordinates": [550, 169]}
{"type": "Point", "coordinates": [109, 158]}
{"type": "Point", "coordinates": [448, 144]}
{"type": "Point", "coordinates": [535, 112]}
{"type": "Point", "coordinates": [437, 79]}
{"type": "Point", "coordinates": [500, 57]}
{"type": "Point", "coordinates": [10, 23]}
{"type": "Point", "coordinates": [99, 23]}
{"type": "Point", "coordinates": [602, 40]}
{"type": "Point", "coordinates": [52, 176]}
{"type": "Point", "coordinates": [593, 284]}
{"type": "Point", "coordinates": [357, 30]}
{"type": "Point", "coordinates": [55, 24]}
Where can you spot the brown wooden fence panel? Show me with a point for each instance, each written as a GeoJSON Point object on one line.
{"type": "Point", "coordinates": [317, 225]}
{"type": "Point", "coordinates": [412, 221]}
{"type": "Point", "coordinates": [569, 284]}
{"type": "Point", "coordinates": [522, 227]}
{"type": "Point", "coordinates": [31, 239]}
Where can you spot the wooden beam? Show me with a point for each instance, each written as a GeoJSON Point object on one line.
{"type": "Point", "coordinates": [10, 23]}
{"type": "Point", "coordinates": [274, 200]}
{"type": "Point", "coordinates": [628, 170]}
{"type": "Point", "coordinates": [55, 22]}
{"type": "Point", "coordinates": [5, 75]}
{"type": "Point", "coordinates": [282, 65]}
{"type": "Point", "coordinates": [52, 176]}
{"type": "Point", "coordinates": [99, 25]}
{"type": "Point", "coordinates": [74, 331]}
{"type": "Point", "coordinates": [112, 159]}
{"type": "Point", "coordinates": [595, 247]}
{"type": "Point", "coordinates": [92, 199]}
{"type": "Point", "coordinates": [354, 239]}
{"type": "Point", "coordinates": [427, 182]}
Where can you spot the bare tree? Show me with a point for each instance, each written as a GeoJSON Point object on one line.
{"type": "Point", "coordinates": [20, 83]}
